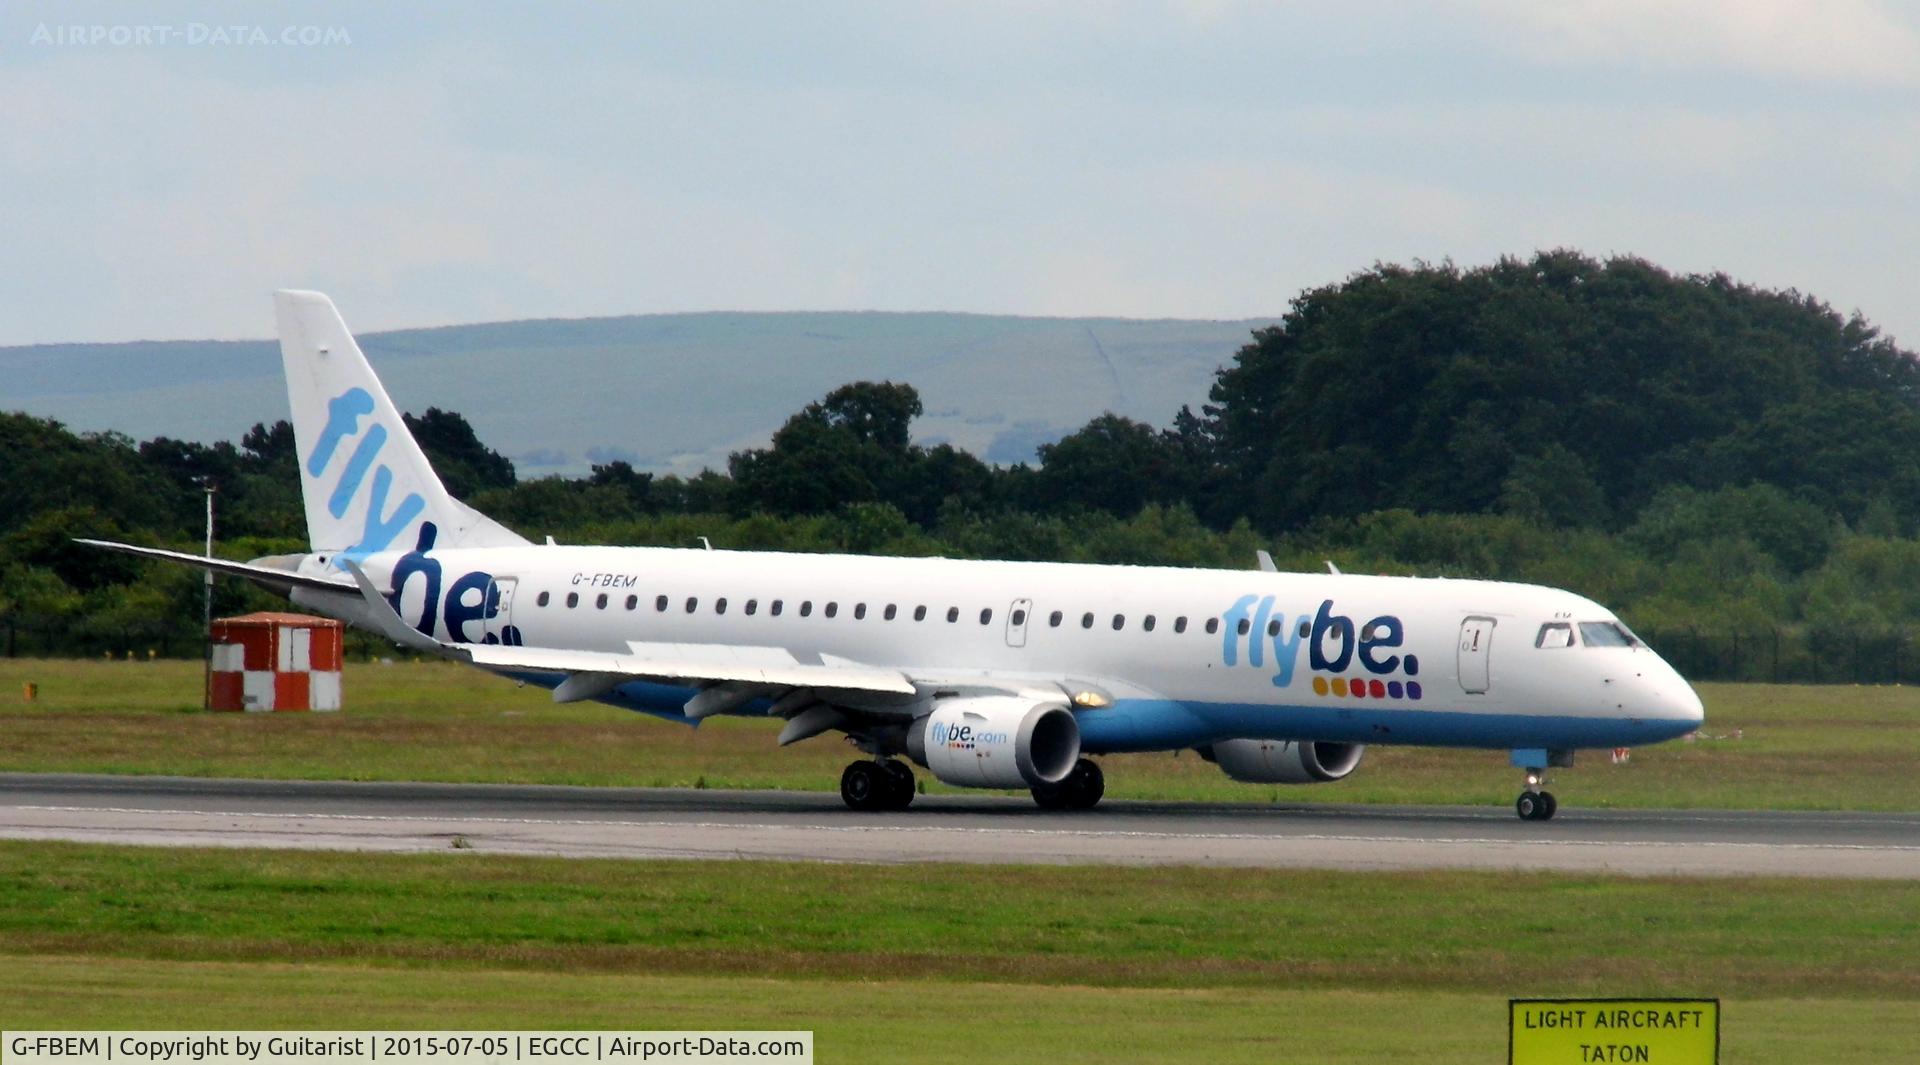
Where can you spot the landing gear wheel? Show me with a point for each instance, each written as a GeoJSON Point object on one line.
{"type": "Point", "coordinates": [1086, 784]}
{"type": "Point", "coordinates": [1536, 805]}
{"type": "Point", "coordinates": [900, 784]}
{"type": "Point", "coordinates": [1528, 805]}
{"type": "Point", "coordinates": [864, 786]}
{"type": "Point", "coordinates": [1080, 789]}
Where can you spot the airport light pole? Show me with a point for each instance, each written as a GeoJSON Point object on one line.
{"type": "Point", "coordinates": [206, 611]}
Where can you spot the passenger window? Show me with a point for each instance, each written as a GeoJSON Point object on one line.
{"type": "Point", "coordinates": [633, 602]}
{"type": "Point", "coordinates": [573, 600]}
{"type": "Point", "coordinates": [544, 597]}
{"type": "Point", "coordinates": [720, 605]}
{"type": "Point", "coordinates": [1119, 622]}
{"type": "Point", "coordinates": [859, 611]}
{"type": "Point", "coordinates": [1554, 634]}
{"type": "Point", "coordinates": [1180, 623]}
{"type": "Point", "coordinates": [1213, 626]}
{"type": "Point", "coordinates": [660, 604]}
{"type": "Point", "coordinates": [776, 607]}
{"type": "Point", "coordinates": [887, 615]}
{"type": "Point", "coordinates": [1086, 620]}
{"type": "Point", "coordinates": [1053, 619]}
{"type": "Point", "coordinates": [806, 608]}
{"type": "Point", "coordinates": [752, 607]}
{"type": "Point", "coordinates": [1273, 627]}
{"type": "Point", "coordinates": [1306, 629]}
{"type": "Point", "coordinates": [986, 617]}
{"type": "Point", "coordinates": [1146, 623]}
{"type": "Point", "coordinates": [953, 614]}
{"type": "Point", "coordinates": [1606, 634]}
{"type": "Point", "coordinates": [1244, 627]}
{"type": "Point", "coordinates": [601, 602]}
{"type": "Point", "coordinates": [1019, 617]}
{"type": "Point", "coordinates": [833, 609]}
{"type": "Point", "coordinates": [920, 613]}
{"type": "Point", "coordinates": [693, 604]}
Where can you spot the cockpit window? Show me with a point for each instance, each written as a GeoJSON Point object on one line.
{"type": "Point", "coordinates": [1606, 634]}
{"type": "Point", "coordinates": [1554, 634]}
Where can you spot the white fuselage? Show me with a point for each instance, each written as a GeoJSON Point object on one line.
{"type": "Point", "coordinates": [1178, 657]}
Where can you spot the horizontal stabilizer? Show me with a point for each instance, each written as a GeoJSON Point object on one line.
{"type": "Point", "coordinates": [285, 578]}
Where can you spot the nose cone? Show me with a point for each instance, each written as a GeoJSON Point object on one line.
{"type": "Point", "coordinates": [1685, 704]}
{"type": "Point", "coordinates": [1672, 701]}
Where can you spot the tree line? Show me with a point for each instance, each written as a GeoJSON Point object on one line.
{"type": "Point", "coordinates": [1696, 452]}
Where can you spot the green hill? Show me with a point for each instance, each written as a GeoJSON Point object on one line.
{"type": "Point", "coordinates": [673, 392]}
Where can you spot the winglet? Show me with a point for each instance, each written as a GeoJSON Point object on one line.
{"type": "Point", "coordinates": [1333, 569]}
{"type": "Point", "coordinates": [1266, 561]}
{"type": "Point", "coordinates": [381, 613]}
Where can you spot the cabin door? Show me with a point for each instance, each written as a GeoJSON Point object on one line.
{"type": "Point", "coordinates": [1018, 614]}
{"type": "Point", "coordinates": [1476, 646]}
{"type": "Point", "coordinates": [499, 625]}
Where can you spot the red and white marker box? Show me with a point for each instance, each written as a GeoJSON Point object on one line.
{"type": "Point", "coordinates": [271, 661]}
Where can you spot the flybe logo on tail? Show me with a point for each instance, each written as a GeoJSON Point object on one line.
{"type": "Point", "coordinates": [1334, 646]}
{"type": "Point", "coordinates": [379, 527]}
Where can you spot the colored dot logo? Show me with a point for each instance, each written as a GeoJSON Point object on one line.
{"type": "Point", "coordinates": [1366, 688]}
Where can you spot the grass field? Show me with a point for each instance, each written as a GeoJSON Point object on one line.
{"type": "Point", "coordinates": [927, 963]}
{"type": "Point", "coordinates": [1798, 747]}
{"type": "Point", "coordinates": [1073, 964]}
{"type": "Point", "coordinates": [895, 1020]}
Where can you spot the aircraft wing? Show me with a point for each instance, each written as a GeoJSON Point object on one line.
{"type": "Point", "coordinates": [743, 671]}
{"type": "Point", "coordinates": [699, 662]}
{"type": "Point", "coordinates": [281, 577]}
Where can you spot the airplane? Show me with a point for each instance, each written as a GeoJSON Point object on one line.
{"type": "Point", "coordinates": [999, 675]}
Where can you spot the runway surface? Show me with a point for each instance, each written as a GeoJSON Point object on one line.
{"type": "Point", "coordinates": [659, 823]}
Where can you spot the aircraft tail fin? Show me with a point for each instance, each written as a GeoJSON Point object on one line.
{"type": "Point", "coordinates": [367, 485]}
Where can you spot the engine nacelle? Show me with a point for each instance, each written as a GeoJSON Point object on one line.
{"type": "Point", "coordinates": [1283, 761]}
{"type": "Point", "coordinates": [996, 741]}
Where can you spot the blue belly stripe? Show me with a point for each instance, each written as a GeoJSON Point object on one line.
{"type": "Point", "coordinates": [1158, 725]}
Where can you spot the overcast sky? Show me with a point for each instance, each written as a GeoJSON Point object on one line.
{"type": "Point", "coordinates": [460, 162]}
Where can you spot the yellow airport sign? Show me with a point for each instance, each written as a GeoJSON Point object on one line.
{"type": "Point", "coordinates": [1586, 1031]}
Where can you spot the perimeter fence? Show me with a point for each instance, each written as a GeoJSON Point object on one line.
{"type": "Point", "coordinates": [1792, 655]}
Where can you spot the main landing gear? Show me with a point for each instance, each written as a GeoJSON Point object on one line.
{"type": "Point", "coordinates": [1534, 804]}
{"type": "Point", "coordinates": [1080, 789]}
{"type": "Point", "coordinates": [889, 785]}
{"type": "Point", "coordinates": [883, 785]}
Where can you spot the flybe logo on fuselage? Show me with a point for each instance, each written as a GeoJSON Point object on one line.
{"type": "Point", "coordinates": [1343, 659]}
{"type": "Point", "coordinates": [379, 528]}
{"type": "Point", "coordinates": [472, 600]}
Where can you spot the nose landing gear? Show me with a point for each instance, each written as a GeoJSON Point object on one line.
{"type": "Point", "coordinates": [1533, 803]}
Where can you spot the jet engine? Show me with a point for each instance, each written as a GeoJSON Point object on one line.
{"type": "Point", "coordinates": [1283, 761]}
{"type": "Point", "coordinates": [996, 741]}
